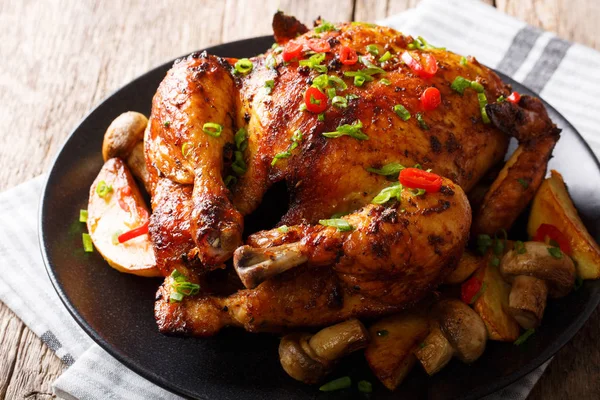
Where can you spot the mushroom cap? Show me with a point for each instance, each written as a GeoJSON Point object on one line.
{"type": "Point", "coordinates": [297, 362]}
{"type": "Point", "coordinates": [340, 339]}
{"type": "Point", "coordinates": [536, 261]}
{"type": "Point", "coordinates": [463, 327]}
{"type": "Point", "coordinates": [123, 134]}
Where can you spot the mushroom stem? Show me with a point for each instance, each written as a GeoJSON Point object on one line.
{"type": "Point", "coordinates": [256, 265]}
{"type": "Point", "coordinates": [309, 358]}
{"type": "Point", "coordinates": [435, 352]}
{"type": "Point", "coordinates": [527, 300]}
{"type": "Point", "coordinates": [459, 332]}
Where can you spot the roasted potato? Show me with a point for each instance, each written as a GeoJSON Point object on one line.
{"type": "Point", "coordinates": [492, 305]}
{"type": "Point", "coordinates": [553, 205]}
{"type": "Point", "coordinates": [116, 206]}
{"type": "Point", "coordinates": [468, 263]}
{"type": "Point", "coordinates": [390, 353]}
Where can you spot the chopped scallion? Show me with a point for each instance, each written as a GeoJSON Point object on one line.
{"type": "Point", "coordinates": [182, 287]}
{"type": "Point", "coordinates": [387, 194]}
{"type": "Point", "coordinates": [83, 215]}
{"type": "Point", "coordinates": [372, 48]}
{"type": "Point", "coordinates": [365, 387]}
{"type": "Point", "coordinates": [230, 180]}
{"type": "Point", "coordinates": [325, 27]}
{"type": "Point", "coordinates": [269, 84]}
{"type": "Point", "coordinates": [523, 338]}
{"type": "Point", "coordinates": [243, 66]}
{"type": "Point", "coordinates": [339, 101]}
{"type": "Point", "coordinates": [463, 61]}
{"type": "Point", "coordinates": [385, 82]}
{"type": "Point", "coordinates": [212, 129]}
{"type": "Point", "coordinates": [387, 169]}
{"type": "Point", "coordinates": [239, 165]}
{"type": "Point", "coordinates": [283, 229]}
{"type": "Point", "coordinates": [460, 84]}
{"type": "Point", "coordinates": [185, 149]}
{"type": "Point", "coordinates": [402, 112]}
{"type": "Point", "coordinates": [353, 130]}
{"type": "Point", "coordinates": [88, 246]}
{"type": "Point", "coordinates": [555, 252]}
{"type": "Point", "coordinates": [422, 122]}
{"type": "Point", "coordinates": [337, 384]}
{"type": "Point", "coordinates": [482, 103]}
{"type": "Point", "coordinates": [385, 57]}
{"type": "Point", "coordinates": [241, 139]}
{"type": "Point", "coordinates": [102, 189]}
{"type": "Point", "coordinates": [341, 224]}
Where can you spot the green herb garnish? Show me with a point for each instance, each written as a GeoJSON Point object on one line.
{"type": "Point", "coordinates": [460, 84]}
{"type": "Point", "coordinates": [372, 48]}
{"type": "Point", "coordinates": [387, 194]}
{"type": "Point", "coordinates": [341, 224]}
{"type": "Point", "coordinates": [83, 215]}
{"type": "Point", "coordinates": [212, 129]}
{"type": "Point", "coordinates": [239, 165]}
{"type": "Point", "coordinates": [243, 66]}
{"type": "Point", "coordinates": [88, 246]}
{"type": "Point", "coordinates": [241, 139]}
{"type": "Point", "coordinates": [387, 169]}
{"type": "Point", "coordinates": [230, 180]}
{"type": "Point", "coordinates": [337, 384]}
{"type": "Point", "coordinates": [463, 60]}
{"type": "Point", "coordinates": [102, 189]}
{"type": "Point", "coordinates": [422, 44]}
{"type": "Point", "coordinates": [365, 387]}
{"type": "Point", "coordinates": [339, 101]}
{"type": "Point", "coordinates": [385, 57]}
{"type": "Point", "coordinates": [523, 338]}
{"type": "Point", "coordinates": [314, 62]}
{"type": "Point", "coordinates": [421, 121]}
{"type": "Point", "coordinates": [402, 112]}
{"type": "Point", "coordinates": [353, 130]}
{"type": "Point", "coordinates": [325, 27]}
{"type": "Point", "coordinates": [269, 85]}
{"type": "Point", "coordinates": [520, 247]}
{"type": "Point", "coordinates": [385, 82]}
{"type": "Point", "coordinates": [555, 252]}
{"type": "Point", "coordinates": [181, 287]}
{"type": "Point", "coordinates": [482, 103]}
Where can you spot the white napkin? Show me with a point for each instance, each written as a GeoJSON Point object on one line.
{"type": "Point", "coordinates": [546, 64]}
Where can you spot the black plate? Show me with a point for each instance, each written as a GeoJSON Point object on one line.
{"type": "Point", "coordinates": [116, 309]}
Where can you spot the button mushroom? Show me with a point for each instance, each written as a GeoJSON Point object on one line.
{"type": "Point", "coordinates": [124, 139]}
{"type": "Point", "coordinates": [457, 331]}
{"type": "Point", "coordinates": [535, 270]}
{"type": "Point", "coordinates": [309, 358]}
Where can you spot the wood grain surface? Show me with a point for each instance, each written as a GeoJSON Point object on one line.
{"type": "Point", "coordinates": [61, 57]}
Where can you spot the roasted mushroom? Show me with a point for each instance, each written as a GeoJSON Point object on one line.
{"type": "Point", "coordinates": [535, 270]}
{"type": "Point", "coordinates": [458, 331]}
{"type": "Point", "coordinates": [309, 358]}
{"type": "Point", "coordinates": [124, 139]}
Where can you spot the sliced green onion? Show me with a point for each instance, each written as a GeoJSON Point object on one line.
{"type": "Point", "coordinates": [321, 117]}
{"type": "Point", "coordinates": [341, 224]}
{"type": "Point", "coordinates": [83, 215]}
{"type": "Point", "coordinates": [239, 165]}
{"type": "Point", "coordinates": [364, 75]}
{"type": "Point", "coordinates": [186, 148]}
{"type": "Point", "coordinates": [182, 287]}
{"type": "Point", "coordinates": [476, 86]}
{"type": "Point", "coordinates": [422, 122]}
{"type": "Point", "coordinates": [271, 61]}
{"type": "Point", "coordinates": [523, 183]}
{"type": "Point", "coordinates": [296, 139]}
{"type": "Point", "coordinates": [352, 96]}
{"type": "Point", "coordinates": [387, 194]}
{"type": "Point", "coordinates": [331, 93]}
{"type": "Point", "coordinates": [212, 129]}
{"type": "Point", "coordinates": [325, 27]}
{"type": "Point", "coordinates": [302, 107]}
{"type": "Point", "coordinates": [339, 101]}
{"type": "Point", "coordinates": [385, 82]}
{"type": "Point", "coordinates": [387, 169]}
{"type": "Point", "coordinates": [269, 84]}
{"type": "Point", "coordinates": [372, 48]}
{"type": "Point", "coordinates": [102, 189]}
{"type": "Point", "coordinates": [463, 60]}
{"type": "Point", "coordinates": [422, 44]}
{"type": "Point", "coordinates": [230, 180]}
{"type": "Point", "coordinates": [353, 130]}
{"type": "Point", "coordinates": [418, 192]}
{"type": "Point", "coordinates": [276, 48]}
{"type": "Point", "coordinates": [555, 252]}
{"type": "Point", "coordinates": [365, 387]}
{"type": "Point", "coordinates": [460, 84]}
{"type": "Point", "coordinates": [241, 139]}
{"type": "Point", "coordinates": [523, 338]}
{"type": "Point", "coordinates": [283, 229]}
{"type": "Point", "coordinates": [338, 82]}
{"type": "Point", "coordinates": [501, 99]}
{"type": "Point", "coordinates": [483, 243]}
{"type": "Point", "coordinates": [385, 57]}
{"type": "Point", "coordinates": [359, 80]}
{"type": "Point", "coordinates": [482, 103]}
{"type": "Point", "coordinates": [338, 384]}
{"type": "Point", "coordinates": [167, 124]}
{"type": "Point", "coordinates": [402, 112]}
{"type": "Point", "coordinates": [88, 246]}
{"type": "Point", "coordinates": [314, 62]}
{"type": "Point", "coordinates": [321, 81]}
{"type": "Point", "coordinates": [243, 66]}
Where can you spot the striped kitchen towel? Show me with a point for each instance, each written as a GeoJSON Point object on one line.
{"type": "Point", "coordinates": [546, 64]}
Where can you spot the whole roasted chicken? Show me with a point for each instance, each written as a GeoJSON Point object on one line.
{"type": "Point", "coordinates": [337, 113]}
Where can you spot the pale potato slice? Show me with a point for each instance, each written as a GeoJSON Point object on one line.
{"type": "Point", "coordinates": [492, 305]}
{"type": "Point", "coordinates": [107, 217]}
{"type": "Point", "coordinates": [390, 353]}
{"type": "Point", "coordinates": [553, 205]}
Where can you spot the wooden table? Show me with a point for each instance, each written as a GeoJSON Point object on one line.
{"type": "Point", "coordinates": [60, 58]}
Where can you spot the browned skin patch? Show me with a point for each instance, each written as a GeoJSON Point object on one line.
{"type": "Point", "coordinates": [286, 27]}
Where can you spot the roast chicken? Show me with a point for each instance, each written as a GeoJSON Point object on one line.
{"type": "Point", "coordinates": [223, 131]}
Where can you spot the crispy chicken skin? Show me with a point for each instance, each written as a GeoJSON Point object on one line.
{"type": "Point", "coordinates": [395, 253]}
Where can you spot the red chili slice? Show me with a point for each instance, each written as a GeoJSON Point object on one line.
{"type": "Point", "coordinates": [348, 56]}
{"type": "Point", "coordinates": [431, 99]}
{"type": "Point", "coordinates": [315, 100]}
{"type": "Point", "coordinates": [319, 45]}
{"type": "Point", "coordinates": [469, 289]}
{"type": "Point", "coordinates": [553, 233]}
{"type": "Point", "coordinates": [427, 70]}
{"type": "Point", "coordinates": [139, 231]}
{"type": "Point", "coordinates": [415, 178]}
{"type": "Point", "coordinates": [514, 97]}
{"type": "Point", "coordinates": [291, 50]}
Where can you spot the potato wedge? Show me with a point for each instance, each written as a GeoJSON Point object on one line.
{"type": "Point", "coordinates": [107, 216]}
{"type": "Point", "coordinates": [553, 205]}
{"type": "Point", "coordinates": [492, 305]}
{"type": "Point", "coordinates": [390, 353]}
{"type": "Point", "coordinates": [469, 262]}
